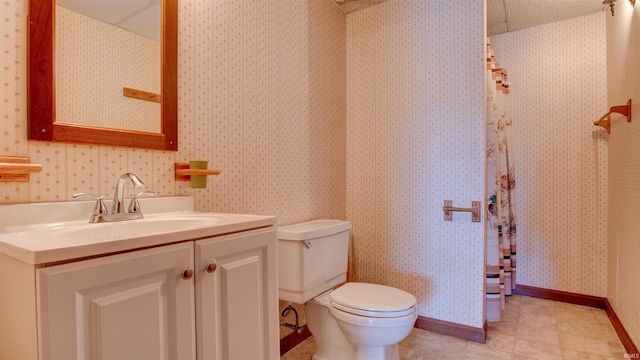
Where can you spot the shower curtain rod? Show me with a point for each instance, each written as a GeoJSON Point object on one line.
{"type": "Point", "coordinates": [605, 120]}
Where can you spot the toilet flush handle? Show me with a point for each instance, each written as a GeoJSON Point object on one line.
{"type": "Point", "coordinates": [306, 243]}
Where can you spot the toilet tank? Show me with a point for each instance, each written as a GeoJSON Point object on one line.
{"type": "Point", "coordinates": [312, 258]}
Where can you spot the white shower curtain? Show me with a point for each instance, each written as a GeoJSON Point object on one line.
{"type": "Point", "coordinates": [501, 222]}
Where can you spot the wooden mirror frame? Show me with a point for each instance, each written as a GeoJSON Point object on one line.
{"type": "Point", "coordinates": [41, 87]}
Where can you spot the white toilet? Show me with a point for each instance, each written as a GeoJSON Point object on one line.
{"type": "Point", "coordinates": [353, 321]}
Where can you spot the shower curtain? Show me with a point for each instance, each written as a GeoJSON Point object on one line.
{"type": "Point", "coordinates": [501, 182]}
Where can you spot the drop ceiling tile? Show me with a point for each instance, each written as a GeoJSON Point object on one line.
{"type": "Point", "coordinates": [145, 23]}
{"type": "Point", "coordinates": [521, 10]}
{"type": "Point", "coordinates": [495, 29]}
{"type": "Point", "coordinates": [523, 14]}
{"type": "Point", "coordinates": [496, 13]}
{"type": "Point", "coordinates": [111, 12]}
{"type": "Point", "coordinates": [354, 5]}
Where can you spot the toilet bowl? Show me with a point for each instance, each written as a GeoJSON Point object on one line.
{"type": "Point", "coordinates": [331, 342]}
{"type": "Point", "coordinates": [360, 330]}
{"type": "Point", "coordinates": [353, 320]}
{"type": "Point", "coordinates": [374, 317]}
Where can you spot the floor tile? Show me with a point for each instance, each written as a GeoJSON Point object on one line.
{"type": "Point", "coordinates": [601, 315]}
{"type": "Point", "coordinates": [580, 327]}
{"type": "Point", "coordinates": [475, 351]}
{"type": "Point", "coordinates": [570, 354]}
{"type": "Point", "coordinates": [502, 327]}
{"type": "Point", "coordinates": [534, 334]}
{"type": "Point", "coordinates": [420, 354]}
{"type": "Point", "coordinates": [416, 338]}
{"type": "Point", "coordinates": [576, 314]}
{"type": "Point", "coordinates": [500, 341]}
{"type": "Point", "coordinates": [533, 300]}
{"type": "Point", "coordinates": [617, 349]}
{"type": "Point", "coordinates": [583, 344]}
{"type": "Point", "coordinates": [444, 344]}
{"type": "Point", "coordinates": [536, 350]}
{"type": "Point", "coordinates": [536, 357]}
{"type": "Point", "coordinates": [607, 326]}
{"type": "Point", "coordinates": [573, 307]}
{"type": "Point", "coordinates": [540, 321]}
{"type": "Point", "coordinates": [538, 309]}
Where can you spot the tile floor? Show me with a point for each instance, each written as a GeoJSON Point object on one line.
{"type": "Point", "coordinates": [531, 328]}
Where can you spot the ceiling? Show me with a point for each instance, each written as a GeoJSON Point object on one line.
{"type": "Point", "coordinates": [138, 16]}
{"type": "Point", "coordinates": [142, 16]}
{"type": "Point", "coordinates": [354, 5]}
{"type": "Point", "coordinates": [510, 15]}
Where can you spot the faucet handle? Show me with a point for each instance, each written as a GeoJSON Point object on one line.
{"type": "Point", "coordinates": [134, 205]}
{"type": "Point", "coordinates": [82, 195]}
{"type": "Point", "coordinates": [99, 209]}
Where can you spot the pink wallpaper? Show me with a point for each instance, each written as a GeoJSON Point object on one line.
{"type": "Point", "coordinates": [245, 87]}
{"type": "Point", "coordinates": [623, 82]}
{"type": "Point", "coordinates": [94, 61]}
{"type": "Point", "coordinates": [415, 137]}
{"type": "Point", "coordinates": [557, 79]}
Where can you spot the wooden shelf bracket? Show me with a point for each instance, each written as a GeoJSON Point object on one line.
{"type": "Point", "coordinates": [183, 172]}
{"type": "Point", "coordinates": [605, 120]}
{"type": "Point", "coordinates": [17, 169]}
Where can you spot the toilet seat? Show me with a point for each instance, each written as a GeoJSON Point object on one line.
{"type": "Point", "coordinates": [373, 300]}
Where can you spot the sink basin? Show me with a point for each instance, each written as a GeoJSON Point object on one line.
{"type": "Point", "coordinates": [132, 229]}
{"type": "Point", "coordinates": [44, 233]}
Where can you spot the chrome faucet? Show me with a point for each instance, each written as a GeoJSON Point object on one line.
{"type": "Point", "coordinates": [118, 196]}
{"type": "Point", "coordinates": [118, 213]}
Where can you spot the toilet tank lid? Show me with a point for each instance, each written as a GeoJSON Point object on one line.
{"type": "Point", "coordinates": [312, 229]}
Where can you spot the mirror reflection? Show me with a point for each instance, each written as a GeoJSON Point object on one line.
{"type": "Point", "coordinates": [108, 63]}
{"type": "Point", "coordinates": [44, 121]}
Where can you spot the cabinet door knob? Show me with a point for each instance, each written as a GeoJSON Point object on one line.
{"type": "Point", "coordinates": [212, 267]}
{"type": "Point", "coordinates": [187, 273]}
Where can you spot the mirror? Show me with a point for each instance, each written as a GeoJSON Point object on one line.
{"type": "Point", "coordinates": [45, 120]}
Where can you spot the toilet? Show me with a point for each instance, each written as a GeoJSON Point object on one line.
{"type": "Point", "coordinates": [349, 320]}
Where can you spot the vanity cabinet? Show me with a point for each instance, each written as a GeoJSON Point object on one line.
{"type": "Point", "coordinates": [128, 306]}
{"type": "Point", "coordinates": [213, 298]}
{"type": "Point", "coordinates": [237, 297]}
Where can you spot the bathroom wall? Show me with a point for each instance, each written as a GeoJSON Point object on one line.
{"type": "Point", "coordinates": [415, 137]}
{"type": "Point", "coordinates": [623, 82]}
{"type": "Point", "coordinates": [259, 97]}
{"type": "Point", "coordinates": [557, 79]}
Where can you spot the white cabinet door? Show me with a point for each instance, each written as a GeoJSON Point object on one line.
{"type": "Point", "coordinates": [237, 303]}
{"type": "Point", "coordinates": [134, 305]}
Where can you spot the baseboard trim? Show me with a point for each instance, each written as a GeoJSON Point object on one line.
{"type": "Point", "coordinates": [562, 296]}
{"type": "Point", "coordinates": [290, 341]}
{"type": "Point", "coordinates": [628, 344]}
{"type": "Point", "coordinates": [452, 329]}
{"type": "Point", "coordinates": [586, 300]}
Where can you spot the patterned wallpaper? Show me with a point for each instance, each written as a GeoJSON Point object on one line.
{"type": "Point", "coordinates": [94, 61]}
{"type": "Point", "coordinates": [557, 77]}
{"type": "Point", "coordinates": [415, 137]}
{"type": "Point", "coordinates": [251, 101]}
{"type": "Point", "coordinates": [623, 82]}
